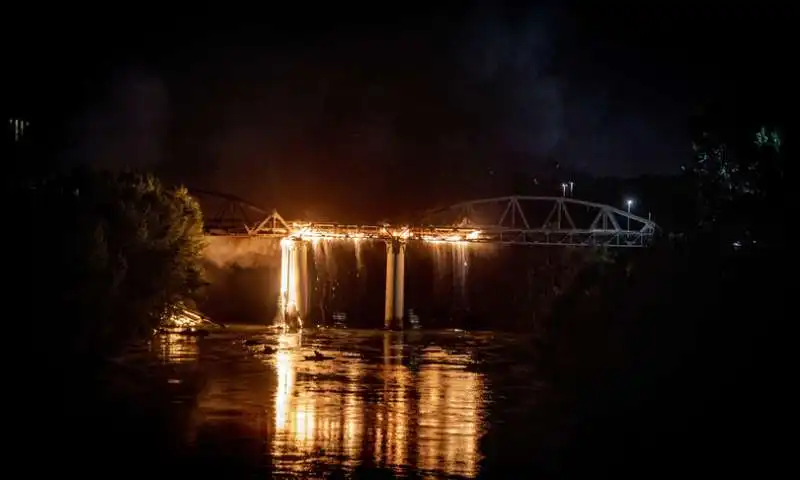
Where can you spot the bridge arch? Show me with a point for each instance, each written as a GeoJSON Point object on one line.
{"type": "Point", "coordinates": [510, 220]}
{"type": "Point", "coordinates": [546, 220]}
{"type": "Point", "coordinates": [223, 212]}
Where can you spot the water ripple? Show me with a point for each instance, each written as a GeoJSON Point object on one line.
{"type": "Point", "coordinates": [404, 402]}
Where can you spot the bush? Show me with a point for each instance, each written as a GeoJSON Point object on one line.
{"type": "Point", "coordinates": [105, 258]}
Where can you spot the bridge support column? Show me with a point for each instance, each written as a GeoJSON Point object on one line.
{"type": "Point", "coordinates": [293, 302]}
{"type": "Point", "coordinates": [395, 283]}
{"type": "Point", "coordinates": [304, 300]}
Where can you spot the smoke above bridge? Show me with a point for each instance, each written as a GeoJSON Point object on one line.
{"type": "Point", "coordinates": [242, 252]}
{"type": "Point", "coordinates": [368, 129]}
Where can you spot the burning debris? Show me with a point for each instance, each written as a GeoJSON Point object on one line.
{"type": "Point", "coordinates": [188, 322]}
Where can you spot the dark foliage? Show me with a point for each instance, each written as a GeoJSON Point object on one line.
{"type": "Point", "coordinates": [738, 176]}
{"type": "Point", "coordinates": [102, 258]}
{"type": "Point", "coordinates": [672, 356]}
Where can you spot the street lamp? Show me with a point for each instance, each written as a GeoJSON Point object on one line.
{"type": "Point", "coordinates": [629, 203]}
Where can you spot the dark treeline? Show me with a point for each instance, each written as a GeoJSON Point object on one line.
{"type": "Point", "coordinates": [672, 358]}
{"type": "Point", "coordinates": [101, 258]}
{"type": "Point", "coordinates": [95, 260]}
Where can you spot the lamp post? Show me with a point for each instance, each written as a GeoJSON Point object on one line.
{"type": "Point", "coordinates": [629, 202]}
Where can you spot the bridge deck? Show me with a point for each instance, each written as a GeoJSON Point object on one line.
{"type": "Point", "coordinates": [506, 222]}
{"type": "Point", "coordinates": [441, 234]}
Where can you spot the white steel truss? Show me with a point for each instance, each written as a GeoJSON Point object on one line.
{"type": "Point", "coordinates": [535, 220]}
{"type": "Point", "coordinates": [513, 220]}
{"type": "Point", "coordinates": [225, 214]}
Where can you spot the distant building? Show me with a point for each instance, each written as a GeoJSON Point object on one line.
{"type": "Point", "coordinates": [15, 147]}
{"type": "Point", "coordinates": [17, 128]}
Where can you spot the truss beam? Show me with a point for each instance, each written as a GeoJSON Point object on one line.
{"type": "Point", "coordinates": [512, 225]}
{"type": "Point", "coordinates": [224, 213]}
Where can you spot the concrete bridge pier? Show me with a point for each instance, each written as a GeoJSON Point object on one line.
{"type": "Point", "coordinates": [294, 296]}
{"type": "Point", "coordinates": [395, 284]}
{"type": "Point", "coordinates": [304, 294]}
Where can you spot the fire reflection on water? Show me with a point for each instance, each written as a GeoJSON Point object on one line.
{"type": "Point", "coordinates": [285, 369]}
{"type": "Point", "coordinates": [429, 418]}
{"type": "Point", "coordinates": [283, 361]}
{"type": "Point", "coordinates": [392, 428]}
{"type": "Point", "coordinates": [314, 413]}
{"type": "Point", "coordinates": [449, 416]}
{"type": "Point", "coordinates": [176, 348]}
{"type": "Point", "coordinates": [382, 396]}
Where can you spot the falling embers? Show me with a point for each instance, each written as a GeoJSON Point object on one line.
{"type": "Point", "coordinates": [334, 275]}
{"type": "Point", "coordinates": [453, 260]}
{"type": "Point", "coordinates": [333, 255]}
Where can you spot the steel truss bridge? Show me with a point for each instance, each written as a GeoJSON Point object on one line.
{"type": "Point", "coordinates": [513, 220]}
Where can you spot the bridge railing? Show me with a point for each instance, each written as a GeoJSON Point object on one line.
{"type": "Point", "coordinates": [495, 235]}
{"type": "Point", "coordinates": [505, 221]}
{"type": "Point", "coordinates": [226, 214]}
{"type": "Point", "coordinates": [571, 238]}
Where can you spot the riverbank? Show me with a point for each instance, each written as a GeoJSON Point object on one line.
{"type": "Point", "coordinates": [667, 362]}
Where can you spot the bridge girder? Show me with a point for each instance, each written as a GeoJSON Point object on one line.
{"type": "Point", "coordinates": [226, 214]}
{"type": "Point", "coordinates": [514, 213]}
{"type": "Point", "coordinates": [511, 220]}
{"type": "Point", "coordinates": [545, 220]}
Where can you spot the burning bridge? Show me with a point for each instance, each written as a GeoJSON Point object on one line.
{"type": "Point", "coordinates": [515, 220]}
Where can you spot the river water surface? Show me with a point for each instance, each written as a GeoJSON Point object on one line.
{"type": "Point", "coordinates": [404, 402]}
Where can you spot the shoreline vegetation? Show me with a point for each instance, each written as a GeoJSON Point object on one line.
{"type": "Point", "coordinates": [121, 253]}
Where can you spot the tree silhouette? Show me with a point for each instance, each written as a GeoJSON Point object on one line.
{"type": "Point", "coordinates": [738, 174]}
{"type": "Point", "coordinates": [106, 258]}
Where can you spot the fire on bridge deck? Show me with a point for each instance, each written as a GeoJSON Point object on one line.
{"type": "Point", "coordinates": [476, 222]}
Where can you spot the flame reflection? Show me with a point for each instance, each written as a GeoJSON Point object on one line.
{"type": "Point", "coordinates": [285, 383]}
{"type": "Point", "coordinates": [450, 406]}
{"type": "Point", "coordinates": [307, 421]}
{"type": "Point", "coordinates": [285, 371]}
{"type": "Point", "coordinates": [176, 348]}
{"type": "Point", "coordinates": [429, 419]}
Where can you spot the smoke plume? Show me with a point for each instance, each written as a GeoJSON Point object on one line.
{"type": "Point", "coordinates": [243, 252]}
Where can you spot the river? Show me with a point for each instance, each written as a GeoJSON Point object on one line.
{"type": "Point", "coordinates": [406, 403]}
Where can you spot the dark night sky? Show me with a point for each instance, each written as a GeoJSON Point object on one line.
{"type": "Point", "coordinates": [336, 107]}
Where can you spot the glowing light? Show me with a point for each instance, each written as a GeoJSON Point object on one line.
{"type": "Point", "coordinates": [285, 371]}
{"type": "Point", "coordinates": [307, 422]}
{"type": "Point", "coordinates": [304, 422]}
{"type": "Point", "coordinates": [359, 256]}
{"type": "Point", "coordinates": [392, 418]}
{"type": "Point", "coordinates": [183, 319]}
{"type": "Point", "coordinates": [353, 413]}
{"type": "Point", "coordinates": [354, 233]}
{"type": "Point", "coordinates": [457, 238]}
{"type": "Point", "coordinates": [293, 294]}
{"type": "Point", "coordinates": [174, 348]}
{"type": "Point", "coordinates": [285, 245]}
{"type": "Point", "coordinates": [397, 429]}
{"type": "Point", "coordinates": [450, 400]}
{"type": "Point", "coordinates": [403, 233]}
